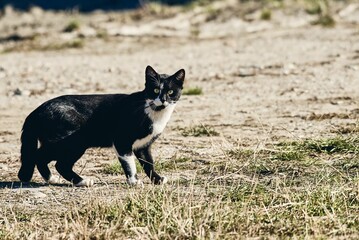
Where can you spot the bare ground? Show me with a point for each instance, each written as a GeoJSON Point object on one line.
{"type": "Point", "coordinates": [260, 87]}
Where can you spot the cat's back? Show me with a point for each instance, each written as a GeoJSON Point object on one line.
{"type": "Point", "coordinates": [62, 116]}
{"type": "Point", "coordinates": [75, 105]}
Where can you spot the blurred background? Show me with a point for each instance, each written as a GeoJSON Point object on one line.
{"type": "Point", "coordinates": [41, 24]}
{"type": "Point", "coordinates": [85, 6]}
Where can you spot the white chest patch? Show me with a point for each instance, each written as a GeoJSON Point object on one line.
{"type": "Point", "coordinates": [160, 120]}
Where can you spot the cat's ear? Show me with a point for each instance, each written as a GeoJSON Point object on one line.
{"type": "Point", "coordinates": [151, 73]}
{"type": "Point", "coordinates": [179, 76]}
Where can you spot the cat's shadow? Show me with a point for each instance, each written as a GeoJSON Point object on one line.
{"type": "Point", "coordinates": [18, 184]}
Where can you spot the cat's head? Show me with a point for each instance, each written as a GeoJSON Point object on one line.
{"type": "Point", "coordinates": [163, 90]}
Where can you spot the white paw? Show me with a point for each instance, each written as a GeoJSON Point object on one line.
{"type": "Point", "coordinates": [164, 180]}
{"type": "Point", "coordinates": [53, 180]}
{"type": "Point", "coordinates": [132, 181]}
{"type": "Point", "coordinates": [85, 183]}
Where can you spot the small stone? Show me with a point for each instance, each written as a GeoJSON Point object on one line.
{"type": "Point", "coordinates": [38, 194]}
{"type": "Point", "coordinates": [246, 72]}
{"type": "Point", "coordinates": [17, 92]}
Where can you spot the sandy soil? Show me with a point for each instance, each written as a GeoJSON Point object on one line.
{"type": "Point", "coordinates": [262, 82]}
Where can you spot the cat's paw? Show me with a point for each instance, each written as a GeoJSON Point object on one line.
{"type": "Point", "coordinates": [53, 180]}
{"type": "Point", "coordinates": [85, 183]}
{"type": "Point", "coordinates": [164, 180]}
{"type": "Point", "coordinates": [160, 180]}
{"type": "Point", "coordinates": [133, 181]}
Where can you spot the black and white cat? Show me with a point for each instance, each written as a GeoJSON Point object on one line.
{"type": "Point", "coordinates": [67, 125]}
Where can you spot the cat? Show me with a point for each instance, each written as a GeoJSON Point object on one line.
{"type": "Point", "coordinates": [62, 128]}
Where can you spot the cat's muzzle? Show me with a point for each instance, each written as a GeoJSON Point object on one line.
{"type": "Point", "coordinates": [157, 108]}
{"type": "Point", "coordinates": [158, 105]}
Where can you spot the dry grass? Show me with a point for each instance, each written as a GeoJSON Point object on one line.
{"type": "Point", "coordinates": [288, 190]}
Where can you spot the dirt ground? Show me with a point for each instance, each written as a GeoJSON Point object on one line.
{"type": "Point", "coordinates": [262, 82]}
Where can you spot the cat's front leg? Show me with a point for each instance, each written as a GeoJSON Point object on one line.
{"type": "Point", "coordinates": [129, 167]}
{"type": "Point", "coordinates": [145, 158]}
{"type": "Point", "coordinates": [127, 161]}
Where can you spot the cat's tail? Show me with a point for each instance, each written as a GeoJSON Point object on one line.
{"type": "Point", "coordinates": [28, 151]}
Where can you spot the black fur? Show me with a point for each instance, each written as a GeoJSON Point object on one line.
{"type": "Point", "coordinates": [67, 125]}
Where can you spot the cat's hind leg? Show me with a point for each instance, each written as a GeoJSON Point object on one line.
{"type": "Point", "coordinates": [43, 159]}
{"type": "Point", "coordinates": [65, 164]}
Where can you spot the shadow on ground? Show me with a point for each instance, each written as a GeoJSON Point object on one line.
{"type": "Point", "coordinates": [14, 185]}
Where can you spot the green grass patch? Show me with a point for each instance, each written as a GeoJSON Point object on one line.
{"type": "Point", "coordinates": [212, 14]}
{"type": "Point", "coordinates": [179, 163]}
{"type": "Point", "coordinates": [23, 217]}
{"type": "Point", "coordinates": [114, 168]}
{"type": "Point", "coordinates": [323, 10]}
{"type": "Point", "coordinates": [72, 44]}
{"type": "Point", "coordinates": [325, 21]}
{"type": "Point", "coordinates": [103, 34]}
{"type": "Point", "coordinates": [199, 131]}
{"type": "Point", "coordinates": [288, 155]}
{"type": "Point", "coordinates": [176, 163]}
{"type": "Point", "coordinates": [332, 145]}
{"type": "Point", "coordinates": [338, 144]}
{"type": "Point", "coordinates": [295, 158]}
{"type": "Point", "coordinates": [240, 154]}
{"type": "Point", "coordinates": [266, 14]}
{"type": "Point", "coordinates": [72, 26]}
{"type": "Point", "coordinates": [192, 91]}
{"type": "Point", "coordinates": [3, 234]}
{"type": "Point", "coordinates": [316, 7]}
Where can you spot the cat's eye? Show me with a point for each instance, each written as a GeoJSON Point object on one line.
{"type": "Point", "coordinates": [156, 90]}
{"type": "Point", "coordinates": [170, 92]}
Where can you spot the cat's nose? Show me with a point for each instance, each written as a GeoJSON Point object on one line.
{"type": "Point", "coordinates": [164, 98]}
{"type": "Point", "coordinates": [158, 102]}
{"type": "Point", "coordinates": [164, 102]}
